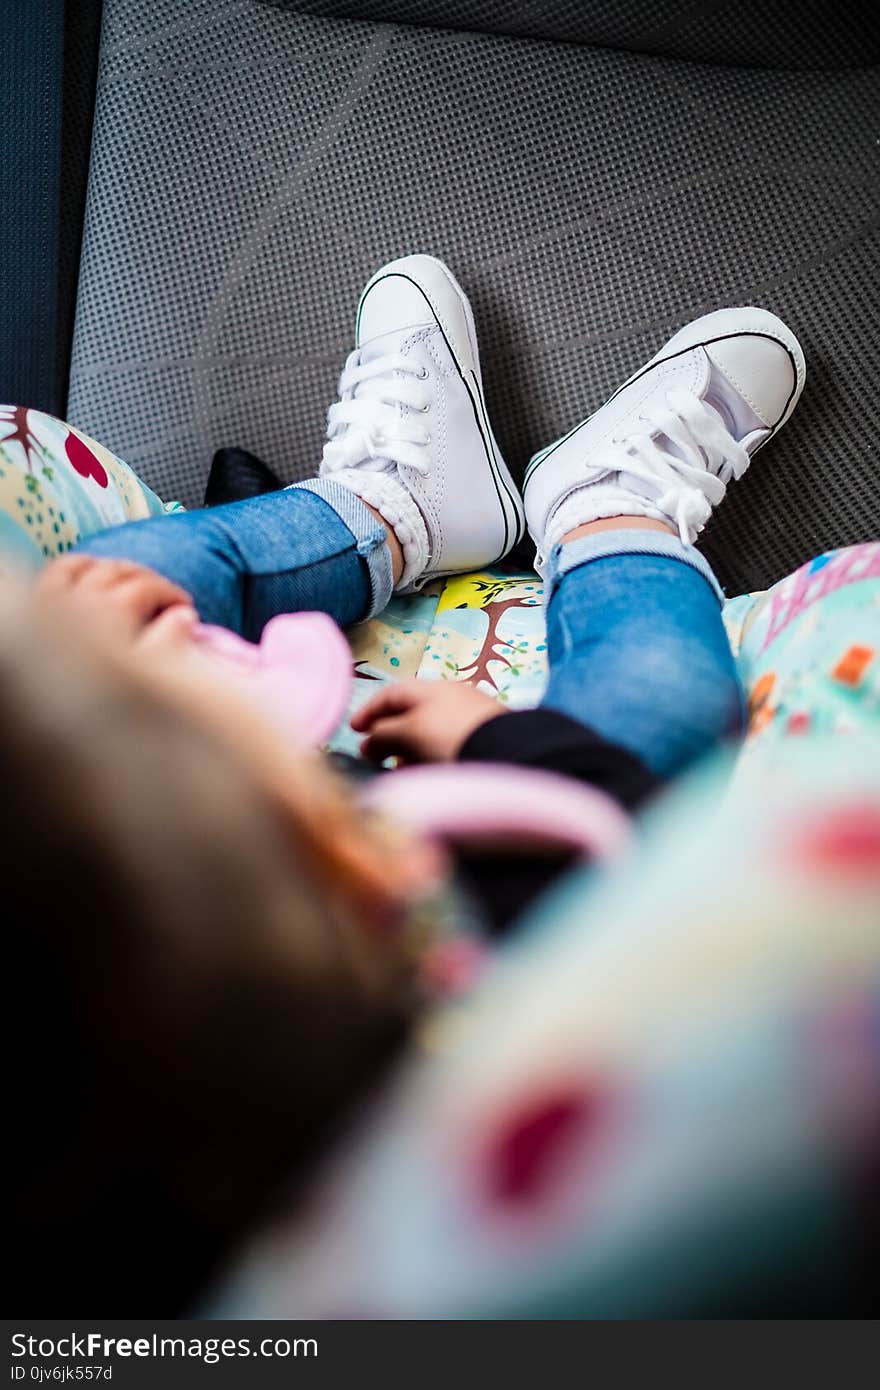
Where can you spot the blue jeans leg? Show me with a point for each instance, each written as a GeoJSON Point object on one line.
{"type": "Point", "coordinates": [312, 547]}
{"type": "Point", "coordinates": [637, 647]}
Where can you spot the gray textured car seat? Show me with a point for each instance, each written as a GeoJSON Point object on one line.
{"type": "Point", "coordinates": [595, 174]}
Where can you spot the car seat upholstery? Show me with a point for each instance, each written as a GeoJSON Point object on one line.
{"type": "Point", "coordinates": [596, 174]}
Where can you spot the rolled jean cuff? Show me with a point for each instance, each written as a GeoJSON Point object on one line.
{"type": "Point", "coordinates": [370, 537]}
{"type": "Point", "coordinates": [573, 554]}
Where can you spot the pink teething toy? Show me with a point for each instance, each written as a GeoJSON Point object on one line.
{"type": "Point", "coordinates": [298, 675]}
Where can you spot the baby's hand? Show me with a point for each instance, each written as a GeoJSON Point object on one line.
{"type": "Point", "coordinates": [120, 597]}
{"type": "Point", "coordinates": [422, 721]}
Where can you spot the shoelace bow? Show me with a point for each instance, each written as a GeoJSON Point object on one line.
{"type": "Point", "coordinates": [695, 478]}
{"type": "Point", "coordinates": [366, 423]}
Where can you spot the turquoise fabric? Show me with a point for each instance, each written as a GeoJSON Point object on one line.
{"type": "Point", "coordinates": [57, 485]}
{"type": "Point", "coordinates": [660, 1102]}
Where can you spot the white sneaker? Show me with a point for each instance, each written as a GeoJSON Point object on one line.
{"type": "Point", "coordinates": [410, 434]}
{"type": "Point", "coordinates": [668, 442]}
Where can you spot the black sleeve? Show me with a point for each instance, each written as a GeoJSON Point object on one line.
{"type": "Point", "coordinates": [544, 738]}
{"type": "Point", "coordinates": [504, 885]}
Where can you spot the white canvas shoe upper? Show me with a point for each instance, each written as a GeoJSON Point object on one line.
{"type": "Point", "coordinates": [668, 442]}
{"type": "Point", "coordinates": [410, 434]}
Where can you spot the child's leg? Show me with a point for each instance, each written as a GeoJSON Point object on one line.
{"type": "Point", "coordinates": [311, 547]}
{"type": "Point", "coordinates": [636, 641]}
{"type": "Point", "coordinates": [637, 647]}
{"type": "Point", "coordinates": [408, 437]}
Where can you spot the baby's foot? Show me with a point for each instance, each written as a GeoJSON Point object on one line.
{"type": "Point", "coordinates": [410, 433]}
{"type": "Point", "coordinates": [671, 438]}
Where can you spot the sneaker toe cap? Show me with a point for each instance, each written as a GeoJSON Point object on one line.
{"type": "Point", "coordinates": [763, 370]}
{"type": "Point", "coordinates": [392, 299]}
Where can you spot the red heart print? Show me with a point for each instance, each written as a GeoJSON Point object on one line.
{"type": "Point", "coordinates": [84, 461]}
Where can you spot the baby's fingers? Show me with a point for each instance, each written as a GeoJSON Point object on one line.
{"type": "Point", "coordinates": [143, 595]}
{"type": "Point", "coordinates": [172, 626]}
{"type": "Point", "coordinates": [62, 573]}
{"type": "Point", "coordinates": [390, 738]}
{"type": "Point", "coordinates": [396, 699]}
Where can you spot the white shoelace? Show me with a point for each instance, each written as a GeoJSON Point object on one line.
{"type": "Point", "coordinates": [367, 425]}
{"type": "Point", "coordinates": [694, 479]}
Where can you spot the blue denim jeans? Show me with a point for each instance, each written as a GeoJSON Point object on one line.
{"type": "Point", "coordinates": [636, 644]}
{"type": "Point", "coordinates": [312, 547]}
{"type": "Point", "coordinates": [637, 647]}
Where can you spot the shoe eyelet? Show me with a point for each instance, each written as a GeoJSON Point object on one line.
{"type": "Point", "coordinates": [425, 408]}
{"type": "Point", "coordinates": [423, 374]}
